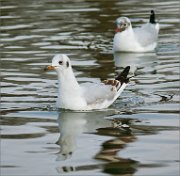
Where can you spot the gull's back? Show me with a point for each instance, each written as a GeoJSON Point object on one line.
{"type": "Point", "coordinates": [147, 34]}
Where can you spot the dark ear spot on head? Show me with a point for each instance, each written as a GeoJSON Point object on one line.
{"type": "Point", "coordinates": [67, 64]}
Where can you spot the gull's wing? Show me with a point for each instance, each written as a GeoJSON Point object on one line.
{"type": "Point", "coordinates": [96, 93]}
{"type": "Point", "coordinates": [106, 91]}
{"type": "Point", "coordinates": [147, 34]}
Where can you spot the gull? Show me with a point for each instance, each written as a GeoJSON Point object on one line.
{"type": "Point", "coordinates": [140, 39]}
{"type": "Point", "coordinates": [85, 96]}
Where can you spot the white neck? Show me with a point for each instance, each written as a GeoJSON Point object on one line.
{"type": "Point", "coordinates": [67, 81]}
{"type": "Point", "coordinates": [69, 90]}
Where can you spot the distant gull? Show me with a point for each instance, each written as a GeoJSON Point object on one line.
{"type": "Point", "coordinates": [86, 96]}
{"type": "Point", "coordinates": [141, 39]}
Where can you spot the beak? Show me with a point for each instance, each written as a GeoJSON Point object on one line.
{"type": "Point", "coordinates": [120, 28]}
{"type": "Point", "coordinates": [117, 30]}
{"type": "Point", "coordinates": [49, 68]}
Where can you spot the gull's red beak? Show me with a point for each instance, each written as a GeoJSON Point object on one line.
{"type": "Point", "coordinates": [117, 30]}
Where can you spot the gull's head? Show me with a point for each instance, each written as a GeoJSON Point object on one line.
{"type": "Point", "coordinates": [60, 62]}
{"type": "Point", "coordinates": [123, 23]}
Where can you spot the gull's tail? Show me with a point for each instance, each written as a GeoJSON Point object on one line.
{"type": "Point", "coordinates": [152, 17]}
{"type": "Point", "coordinates": [122, 77]}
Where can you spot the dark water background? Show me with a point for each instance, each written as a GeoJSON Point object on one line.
{"type": "Point", "coordinates": [138, 135]}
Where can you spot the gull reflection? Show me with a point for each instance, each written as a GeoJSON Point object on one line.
{"type": "Point", "coordinates": [72, 124]}
{"type": "Point", "coordinates": [136, 61]}
{"type": "Point", "coordinates": [113, 135]}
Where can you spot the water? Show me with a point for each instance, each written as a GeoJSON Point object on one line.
{"type": "Point", "coordinates": [138, 135]}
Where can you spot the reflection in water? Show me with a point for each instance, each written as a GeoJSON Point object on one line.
{"type": "Point", "coordinates": [69, 127]}
{"type": "Point", "coordinates": [119, 132]}
{"type": "Point", "coordinates": [72, 124]}
{"type": "Point", "coordinates": [137, 61]}
{"type": "Point", "coordinates": [110, 148]}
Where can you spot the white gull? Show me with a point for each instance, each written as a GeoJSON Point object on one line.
{"type": "Point", "coordinates": [141, 39]}
{"type": "Point", "coordinates": [86, 96]}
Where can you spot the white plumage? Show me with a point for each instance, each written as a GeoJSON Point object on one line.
{"type": "Point", "coordinates": [141, 39]}
{"type": "Point", "coordinates": [86, 96]}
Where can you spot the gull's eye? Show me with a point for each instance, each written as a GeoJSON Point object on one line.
{"type": "Point", "coordinates": [60, 62]}
{"type": "Point", "coordinates": [125, 24]}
